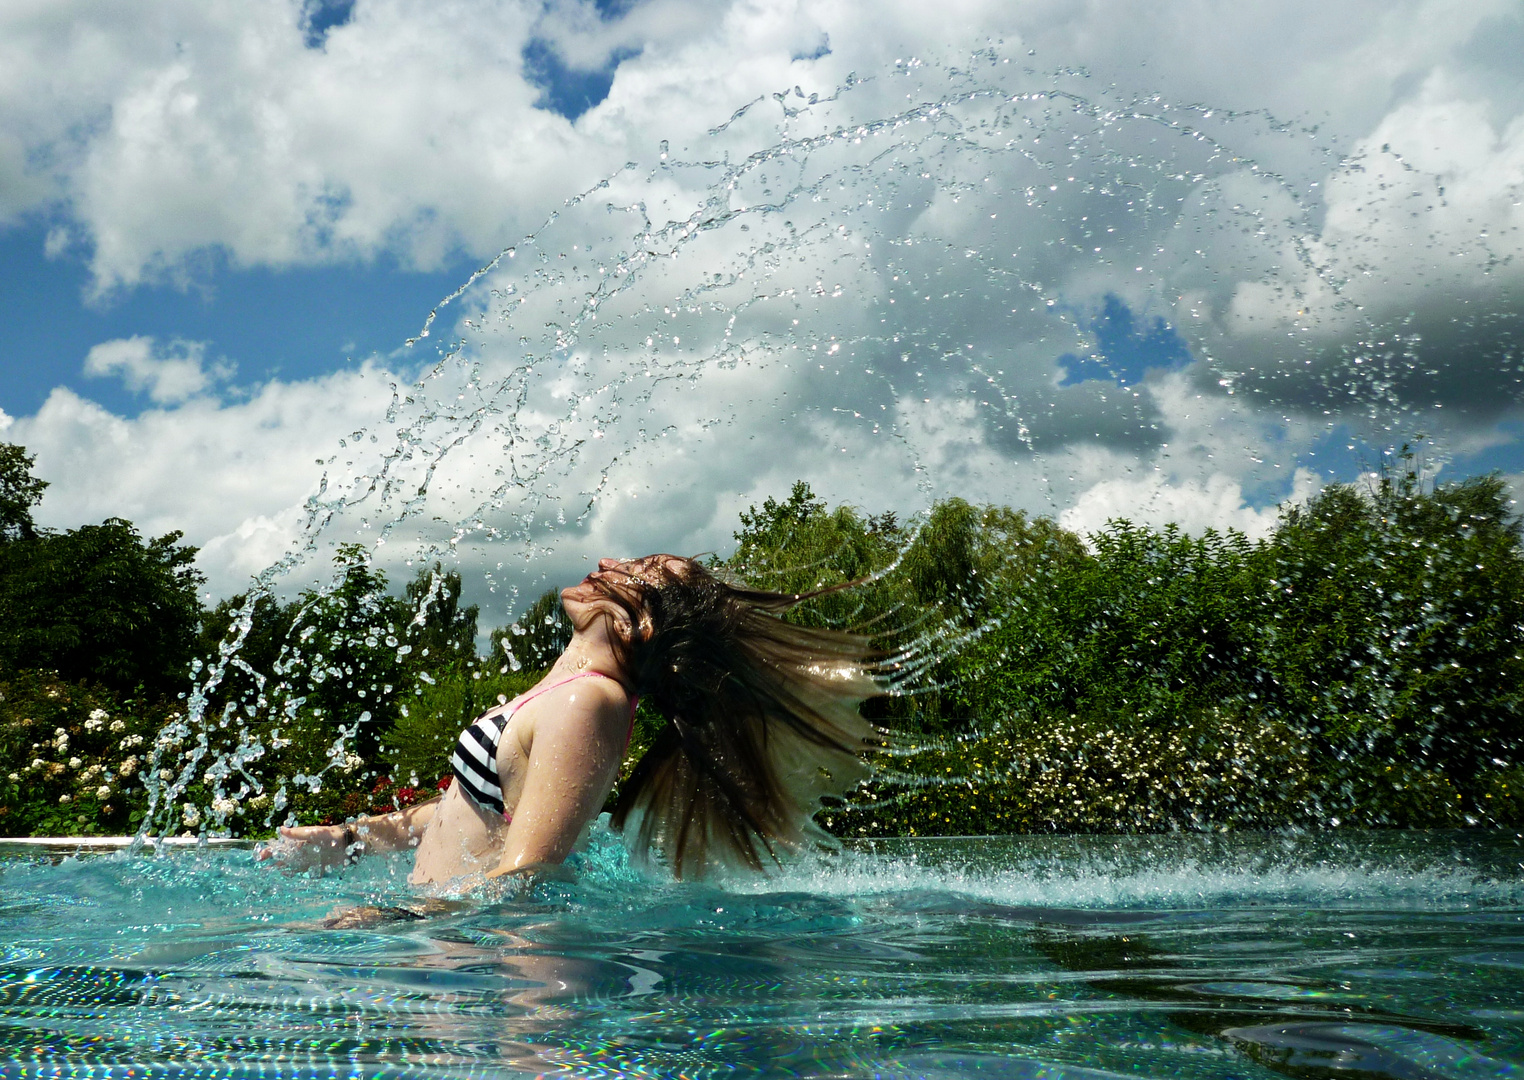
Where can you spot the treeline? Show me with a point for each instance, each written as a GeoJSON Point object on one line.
{"type": "Point", "coordinates": [1360, 665]}
{"type": "Point", "coordinates": [338, 701]}
{"type": "Point", "coordinates": [1364, 664]}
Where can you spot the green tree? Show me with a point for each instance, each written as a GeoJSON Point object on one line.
{"type": "Point", "coordinates": [100, 603]}
{"type": "Point", "coordinates": [19, 492]}
{"type": "Point", "coordinates": [534, 640]}
{"type": "Point", "coordinates": [797, 545]}
{"type": "Point", "coordinates": [349, 651]}
{"type": "Point", "coordinates": [437, 626]}
{"type": "Point", "coordinates": [1396, 629]}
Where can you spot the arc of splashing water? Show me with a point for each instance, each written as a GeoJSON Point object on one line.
{"type": "Point", "coordinates": [384, 487]}
{"type": "Point", "coordinates": [320, 513]}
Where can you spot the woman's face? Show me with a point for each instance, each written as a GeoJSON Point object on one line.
{"type": "Point", "coordinates": [623, 578]}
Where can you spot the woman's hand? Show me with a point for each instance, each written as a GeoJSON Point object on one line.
{"type": "Point", "coordinates": [306, 846]}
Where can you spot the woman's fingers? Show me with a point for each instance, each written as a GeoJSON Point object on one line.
{"type": "Point", "coordinates": [301, 846]}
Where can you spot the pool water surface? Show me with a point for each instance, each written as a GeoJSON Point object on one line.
{"type": "Point", "coordinates": [1347, 955]}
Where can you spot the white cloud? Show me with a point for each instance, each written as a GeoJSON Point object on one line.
{"type": "Point", "coordinates": [1216, 502]}
{"type": "Point", "coordinates": [183, 127]}
{"type": "Point", "coordinates": [1432, 199]}
{"type": "Point", "coordinates": [232, 476]}
{"type": "Point", "coordinates": [890, 332]}
{"type": "Point", "coordinates": [1515, 482]}
{"type": "Point", "coordinates": [168, 376]}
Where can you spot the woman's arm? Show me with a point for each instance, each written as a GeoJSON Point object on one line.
{"type": "Point", "coordinates": [397, 830]}
{"type": "Point", "coordinates": [331, 845]}
{"type": "Point", "coordinates": [573, 761]}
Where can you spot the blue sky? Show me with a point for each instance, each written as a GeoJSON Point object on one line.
{"type": "Point", "coordinates": [289, 323]}
{"type": "Point", "coordinates": [236, 218]}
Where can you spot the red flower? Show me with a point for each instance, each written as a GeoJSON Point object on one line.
{"type": "Point", "coordinates": [444, 782]}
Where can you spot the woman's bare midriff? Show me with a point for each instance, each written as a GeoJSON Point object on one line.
{"type": "Point", "coordinates": [465, 838]}
{"type": "Point", "coordinates": [462, 839]}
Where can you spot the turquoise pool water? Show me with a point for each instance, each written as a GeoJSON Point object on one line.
{"type": "Point", "coordinates": [1380, 954]}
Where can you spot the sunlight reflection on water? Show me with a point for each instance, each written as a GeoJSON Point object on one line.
{"type": "Point", "coordinates": [1392, 954]}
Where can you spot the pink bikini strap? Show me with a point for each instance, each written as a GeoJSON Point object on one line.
{"type": "Point", "coordinates": [513, 706]}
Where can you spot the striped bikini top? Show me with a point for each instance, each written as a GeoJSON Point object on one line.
{"type": "Point", "coordinates": [474, 763]}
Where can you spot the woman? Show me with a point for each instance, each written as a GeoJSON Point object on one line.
{"type": "Point", "coordinates": [761, 723]}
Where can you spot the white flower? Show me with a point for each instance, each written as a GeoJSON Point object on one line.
{"type": "Point", "coordinates": [75, 763]}
{"type": "Point", "coordinates": [63, 798]}
{"type": "Point", "coordinates": [103, 792]}
{"type": "Point", "coordinates": [128, 767]}
{"type": "Point", "coordinates": [98, 714]}
{"type": "Point", "coordinates": [118, 725]}
{"type": "Point", "coordinates": [192, 817]}
{"type": "Point", "coordinates": [223, 806]}
{"type": "Point", "coordinates": [166, 774]}
{"type": "Point", "coordinates": [132, 740]}
{"type": "Point", "coordinates": [38, 763]}
{"type": "Point", "coordinates": [352, 762]}
{"type": "Point", "coordinates": [14, 777]}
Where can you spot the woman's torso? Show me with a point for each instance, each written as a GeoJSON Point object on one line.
{"type": "Point", "coordinates": [467, 837]}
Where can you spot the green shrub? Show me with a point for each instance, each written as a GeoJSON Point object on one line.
{"type": "Point", "coordinates": [416, 751]}
{"type": "Point", "coordinates": [1215, 769]}
{"type": "Point", "coordinates": [71, 757]}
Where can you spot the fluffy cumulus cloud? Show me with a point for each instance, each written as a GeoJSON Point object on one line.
{"type": "Point", "coordinates": [234, 476]}
{"type": "Point", "coordinates": [1194, 505]}
{"type": "Point", "coordinates": [1095, 260]}
{"type": "Point", "coordinates": [168, 376]}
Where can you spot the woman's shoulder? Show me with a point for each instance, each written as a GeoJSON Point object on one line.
{"type": "Point", "coordinates": [587, 693]}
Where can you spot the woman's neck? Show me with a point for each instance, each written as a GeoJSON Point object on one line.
{"type": "Point", "coordinates": [588, 652]}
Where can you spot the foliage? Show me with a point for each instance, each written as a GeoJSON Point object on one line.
{"type": "Point", "coordinates": [1394, 623]}
{"type": "Point", "coordinates": [1092, 773]}
{"type": "Point", "coordinates": [19, 492]}
{"type": "Point", "coordinates": [70, 756]}
{"type": "Point", "coordinates": [316, 689]}
{"type": "Point", "coordinates": [100, 604]}
{"type": "Point", "coordinates": [930, 584]}
{"type": "Point", "coordinates": [1361, 665]}
{"type": "Point", "coordinates": [1150, 627]}
{"type": "Point", "coordinates": [534, 640]}
{"type": "Point", "coordinates": [437, 625]}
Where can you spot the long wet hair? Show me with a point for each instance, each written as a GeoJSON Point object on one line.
{"type": "Point", "coordinates": [761, 716]}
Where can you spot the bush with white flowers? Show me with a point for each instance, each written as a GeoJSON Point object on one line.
{"type": "Point", "coordinates": [70, 757]}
